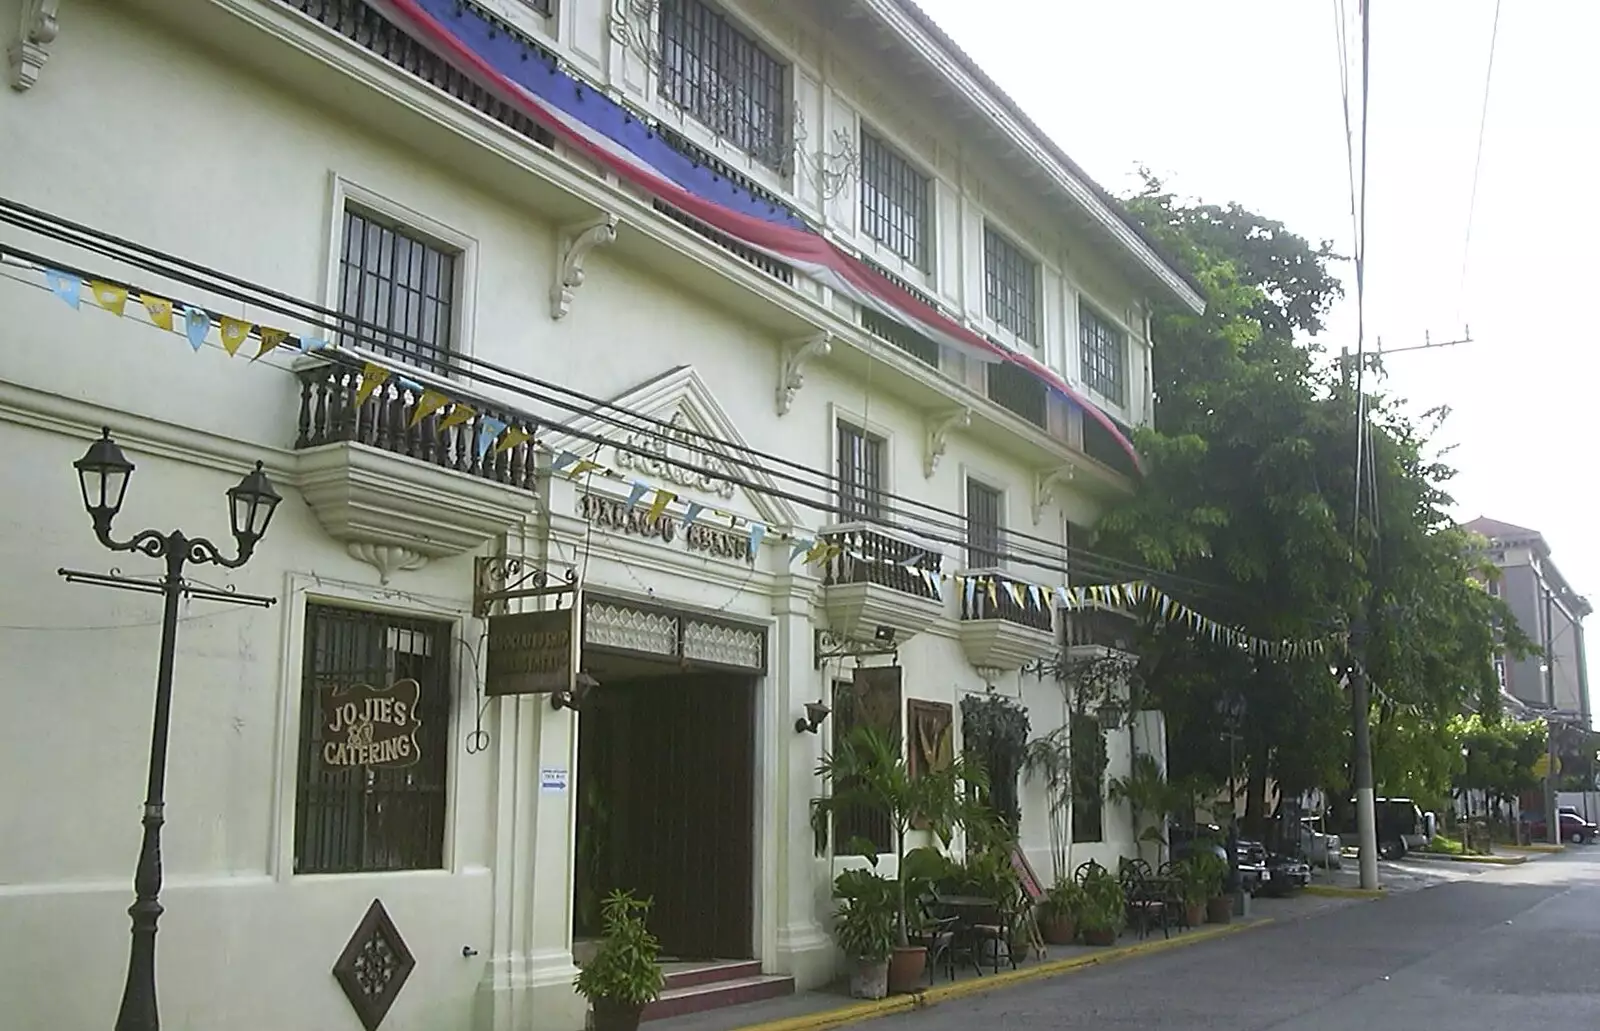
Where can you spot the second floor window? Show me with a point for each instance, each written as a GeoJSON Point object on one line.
{"type": "Point", "coordinates": [1011, 286]}
{"type": "Point", "coordinates": [722, 77]}
{"type": "Point", "coordinates": [861, 461]}
{"type": "Point", "coordinates": [400, 287]}
{"type": "Point", "coordinates": [983, 526]}
{"type": "Point", "coordinates": [894, 201]}
{"type": "Point", "coordinates": [1103, 351]}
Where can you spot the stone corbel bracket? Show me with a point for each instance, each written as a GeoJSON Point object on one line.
{"type": "Point", "coordinates": [937, 436]}
{"type": "Point", "coordinates": [574, 243]}
{"type": "Point", "coordinates": [1045, 486]}
{"type": "Point", "coordinates": [27, 53]}
{"type": "Point", "coordinates": [792, 359]}
{"type": "Point", "coordinates": [387, 559]}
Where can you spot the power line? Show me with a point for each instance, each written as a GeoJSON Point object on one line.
{"type": "Point", "coordinates": [1477, 164]}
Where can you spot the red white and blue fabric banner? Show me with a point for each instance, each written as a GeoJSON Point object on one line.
{"type": "Point", "coordinates": [601, 129]}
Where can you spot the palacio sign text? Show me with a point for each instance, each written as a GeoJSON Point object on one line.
{"type": "Point", "coordinates": [532, 652]}
{"type": "Point", "coordinates": [613, 514]}
{"type": "Point", "coordinates": [371, 726]}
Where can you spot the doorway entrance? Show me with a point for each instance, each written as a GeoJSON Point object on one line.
{"type": "Point", "coordinates": [666, 804]}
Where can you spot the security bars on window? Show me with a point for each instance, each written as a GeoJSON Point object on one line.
{"type": "Point", "coordinates": [894, 201]}
{"type": "Point", "coordinates": [1011, 286]}
{"type": "Point", "coordinates": [724, 78]}
{"type": "Point", "coordinates": [860, 475]}
{"type": "Point", "coordinates": [1103, 352]}
{"type": "Point", "coordinates": [983, 526]}
{"type": "Point", "coordinates": [395, 281]}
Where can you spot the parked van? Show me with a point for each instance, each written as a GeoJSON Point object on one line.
{"type": "Point", "coordinates": [1402, 826]}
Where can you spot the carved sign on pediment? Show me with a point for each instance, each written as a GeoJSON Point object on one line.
{"type": "Point", "coordinates": [677, 455]}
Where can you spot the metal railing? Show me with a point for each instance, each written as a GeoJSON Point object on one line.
{"type": "Point", "coordinates": [869, 555]}
{"type": "Point", "coordinates": [981, 603]}
{"type": "Point", "coordinates": [1102, 627]}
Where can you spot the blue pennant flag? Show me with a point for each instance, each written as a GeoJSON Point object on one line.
{"type": "Point", "coordinates": [692, 513]}
{"type": "Point", "coordinates": [196, 324]}
{"type": "Point", "coordinates": [971, 592]}
{"type": "Point", "coordinates": [65, 285]}
{"type": "Point", "coordinates": [757, 531]}
{"type": "Point", "coordinates": [563, 460]}
{"type": "Point", "coordinates": [800, 547]}
{"type": "Point", "coordinates": [488, 430]}
{"type": "Point", "coordinates": [309, 344]}
{"type": "Point", "coordinates": [639, 488]}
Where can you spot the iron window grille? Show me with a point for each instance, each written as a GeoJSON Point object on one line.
{"type": "Point", "coordinates": [1104, 354]}
{"type": "Point", "coordinates": [983, 526]}
{"type": "Point", "coordinates": [860, 823]}
{"type": "Point", "coordinates": [861, 484]}
{"type": "Point", "coordinates": [1018, 391]}
{"type": "Point", "coordinates": [1011, 285]}
{"type": "Point", "coordinates": [402, 289]}
{"type": "Point", "coordinates": [894, 201]}
{"type": "Point", "coordinates": [725, 80]}
{"type": "Point", "coordinates": [360, 818]}
{"type": "Point", "coordinates": [1087, 779]}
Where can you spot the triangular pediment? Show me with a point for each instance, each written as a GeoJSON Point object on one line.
{"type": "Point", "coordinates": [690, 456]}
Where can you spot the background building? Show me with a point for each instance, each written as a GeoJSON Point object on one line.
{"type": "Point", "coordinates": [851, 355]}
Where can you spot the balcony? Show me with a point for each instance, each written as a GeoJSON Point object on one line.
{"type": "Point", "coordinates": [999, 631]}
{"type": "Point", "coordinates": [400, 490]}
{"type": "Point", "coordinates": [877, 581]}
{"type": "Point", "coordinates": [1091, 632]}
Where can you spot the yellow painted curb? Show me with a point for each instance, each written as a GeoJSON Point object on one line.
{"type": "Point", "coordinates": [978, 985]}
{"type": "Point", "coordinates": [1340, 892]}
{"type": "Point", "coordinates": [1534, 848]}
{"type": "Point", "coordinates": [1488, 860]}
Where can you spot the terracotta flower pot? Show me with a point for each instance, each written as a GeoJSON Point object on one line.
{"type": "Point", "coordinates": [1194, 915]}
{"type": "Point", "coordinates": [1100, 935]}
{"type": "Point", "coordinates": [611, 1015]}
{"type": "Point", "coordinates": [1059, 929]}
{"type": "Point", "coordinates": [1220, 910]}
{"type": "Point", "coordinates": [906, 968]}
{"type": "Point", "coordinates": [869, 979]}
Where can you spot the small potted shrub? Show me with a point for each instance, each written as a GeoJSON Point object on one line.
{"type": "Point", "coordinates": [1102, 908]}
{"type": "Point", "coordinates": [623, 977]}
{"type": "Point", "coordinates": [1196, 886]}
{"type": "Point", "coordinates": [865, 929]}
{"type": "Point", "coordinates": [1212, 872]}
{"type": "Point", "coordinates": [1058, 915]}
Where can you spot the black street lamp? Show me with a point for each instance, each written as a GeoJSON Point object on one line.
{"type": "Point", "coordinates": [103, 474]}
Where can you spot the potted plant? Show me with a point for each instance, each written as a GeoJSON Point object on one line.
{"type": "Point", "coordinates": [867, 770]}
{"type": "Point", "coordinates": [623, 977]}
{"type": "Point", "coordinates": [864, 927]}
{"type": "Point", "coordinates": [1196, 886]}
{"type": "Point", "coordinates": [1058, 914]}
{"type": "Point", "coordinates": [1211, 872]}
{"type": "Point", "coordinates": [1101, 908]}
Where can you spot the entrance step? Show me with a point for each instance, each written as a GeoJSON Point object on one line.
{"type": "Point", "coordinates": [710, 986]}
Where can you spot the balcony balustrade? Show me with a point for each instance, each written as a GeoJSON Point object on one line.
{"type": "Point", "coordinates": [997, 630]}
{"type": "Point", "coordinates": [878, 578]}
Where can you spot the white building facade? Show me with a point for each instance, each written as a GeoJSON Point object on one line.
{"type": "Point", "coordinates": [758, 481]}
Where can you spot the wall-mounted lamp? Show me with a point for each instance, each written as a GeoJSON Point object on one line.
{"type": "Point", "coordinates": [816, 712]}
{"type": "Point", "coordinates": [884, 635]}
{"type": "Point", "coordinates": [583, 683]}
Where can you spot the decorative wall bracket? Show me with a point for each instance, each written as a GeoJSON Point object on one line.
{"type": "Point", "coordinates": [1045, 486]}
{"type": "Point", "coordinates": [26, 54]}
{"type": "Point", "coordinates": [828, 645]}
{"type": "Point", "coordinates": [501, 578]}
{"type": "Point", "coordinates": [938, 428]}
{"type": "Point", "coordinates": [576, 241]}
{"type": "Point", "coordinates": [388, 559]}
{"type": "Point", "coordinates": [792, 359]}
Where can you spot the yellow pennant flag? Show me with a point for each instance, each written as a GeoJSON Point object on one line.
{"type": "Point", "coordinates": [1015, 590]}
{"type": "Point", "coordinates": [583, 466]}
{"type": "Point", "coordinates": [994, 595]}
{"type": "Point", "coordinates": [510, 439]}
{"type": "Point", "coordinates": [372, 377]}
{"type": "Point", "coordinates": [270, 338]}
{"type": "Point", "coordinates": [234, 333]}
{"type": "Point", "coordinates": [458, 415]}
{"type": "Point", "coordinates": [109, 296]}
{"type": "Point", "coordinates": [430, 401]}
{"type": "Point", "coordinates": [659, 505]}
{"type": "Point", "coordinates": [159, 309]}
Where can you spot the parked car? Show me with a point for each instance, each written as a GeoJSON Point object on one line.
{"type": "Point", "coordinates": [1574, 827]}
{"type": "Point", "coordinates": [1285, 874]}
{"type": "Point", "coordinates": [1317, 848]}
{"type": "Point", "coordinates": [1401, 826]}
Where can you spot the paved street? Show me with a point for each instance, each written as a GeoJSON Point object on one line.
{"type": "Point", "coordinates": [1493, 949]}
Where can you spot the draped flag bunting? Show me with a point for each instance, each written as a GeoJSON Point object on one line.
{"type": "Point", "coordinates": [196, 324]}
{"type": "Point", "coordinates": [109, 296]}
{"type": "Point", "coordinates": [604, 131]}
{"type": "Point", "coordinates": [159, 309]}
{"type": "Point", "coordinates": [234, 333]}
{"type": "Point", "coordinates": [66, 286]}
{"type": "Point", "coordinates": [270, 340]}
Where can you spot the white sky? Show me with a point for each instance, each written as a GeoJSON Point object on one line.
{"type": "Point", "coordinates": [1239, 101]}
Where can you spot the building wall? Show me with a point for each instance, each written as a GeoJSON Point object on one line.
{"type": "Point", "coordinates": [158, 132]}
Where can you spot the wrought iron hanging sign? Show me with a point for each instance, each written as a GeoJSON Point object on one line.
{"type": "Point", "coordinates": [532, 652]}
{"type": "Point", "coordinates": [371, 726]}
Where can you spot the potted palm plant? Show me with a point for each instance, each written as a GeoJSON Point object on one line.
{"type": "Point", "coordinates": [1212, 876]}
{"type": "Point", "coordinates": [623, 977]}
{"type": "Point", "coordinates": [865, 929]}
{"type": "Point", "coordinates": [1058, 914]}
{"type": "Point", "coordinates": [1196, 885]}
{"type": "Point", "coordinates": [867, 770]}
{"type": "Point", "coordinates": [1101, 908]}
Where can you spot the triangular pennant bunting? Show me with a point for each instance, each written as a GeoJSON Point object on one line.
{"type": "Point", "coordinates": [159, 309]}
{"type": "Point", "coordinates": [109, 296]}
{"type": "Point", "coordinates": [234, 333]}
{"type": "Point", "coordinates": [270, 340]}
{"type": "Point", "coordinates": [663, 498]}
{"type": "Point", "coordinates": [372, 377]}
{"type": "Point", "coordinates": [196, 324]}
{"type": "Point", "coordinates": [66, 286]}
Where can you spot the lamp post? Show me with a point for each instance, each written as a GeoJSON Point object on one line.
{"type": "Point", "coordinates": [103, 474]}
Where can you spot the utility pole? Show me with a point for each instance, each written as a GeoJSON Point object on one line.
{"type": "Point", "coordinates": [1361, 715]}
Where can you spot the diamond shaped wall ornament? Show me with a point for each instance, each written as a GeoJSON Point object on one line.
{"type": "Point", "coordinates": [374, 966]}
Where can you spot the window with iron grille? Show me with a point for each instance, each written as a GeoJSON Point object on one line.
{"type": "Point", "coordinates": [1088, 746]}
{"type": "Point", "coordinates": [1011, 285]}
{"type": "Point", "coordinates": [983, 526]}
{"type": "Point", "coordinates": [861, 486]}
{"type": "Point", "coordinates": [894, 201]}
{"type": "Point", "coordinates": [1104, 353]}
{"type": "Point", "coordinates": [1017, 390]}
{"type": "Point", "coordinates": [401, 287]}
{"type": "Point", "coordinates": [353, 818]}
{"type": "Point", "coordinates": [723, 77]}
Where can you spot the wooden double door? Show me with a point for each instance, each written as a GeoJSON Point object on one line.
{"type": "Point", "coordinates": [666, 772]}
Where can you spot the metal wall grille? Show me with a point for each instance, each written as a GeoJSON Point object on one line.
{"type": "Point", "coordinates": [861, 484]}
{"type": "Point", "coordinates": [894, 201]}
{"type": "Point", "coordinates": [1104, 354]}
{"type": "Point", "coordinates": [724, 78]}
{"type": "Point", "coordinates": [360, 818]}
{"type": "Point", "coordinates": [1017, 390]}
{"type": "Point", "coordinates": [1011, 285]}
{"type": "Point", "coordinates": [1088, 790]}
{"type": "Point", "coordinates": [394, 281]}
{"type": "Point", "coordinates": [873, 703]}
{"type": "Point", "coordinates": [983, 526]}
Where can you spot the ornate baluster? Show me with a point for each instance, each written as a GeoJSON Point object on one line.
{"type": "Point", "coordinates": [303, 422]}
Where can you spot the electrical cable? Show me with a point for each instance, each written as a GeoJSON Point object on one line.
{"type": "Point", "coordinates": [1477, 163]}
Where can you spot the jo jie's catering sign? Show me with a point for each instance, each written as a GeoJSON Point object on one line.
{"type": "Point", "coordinates": [532, 652]}
{"type": "Point", "coordinates": [371, 726]}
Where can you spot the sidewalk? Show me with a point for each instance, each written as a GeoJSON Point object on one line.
{"type": "Point", "coordinates": [832, 1007]}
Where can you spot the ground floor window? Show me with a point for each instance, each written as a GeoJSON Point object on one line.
{"type": "Point", "coordinates": [870, 699]}
{"type": "Point", "coordinates": [1088, 779]}
{"type": "Point", "coordinates": [374, 742]}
